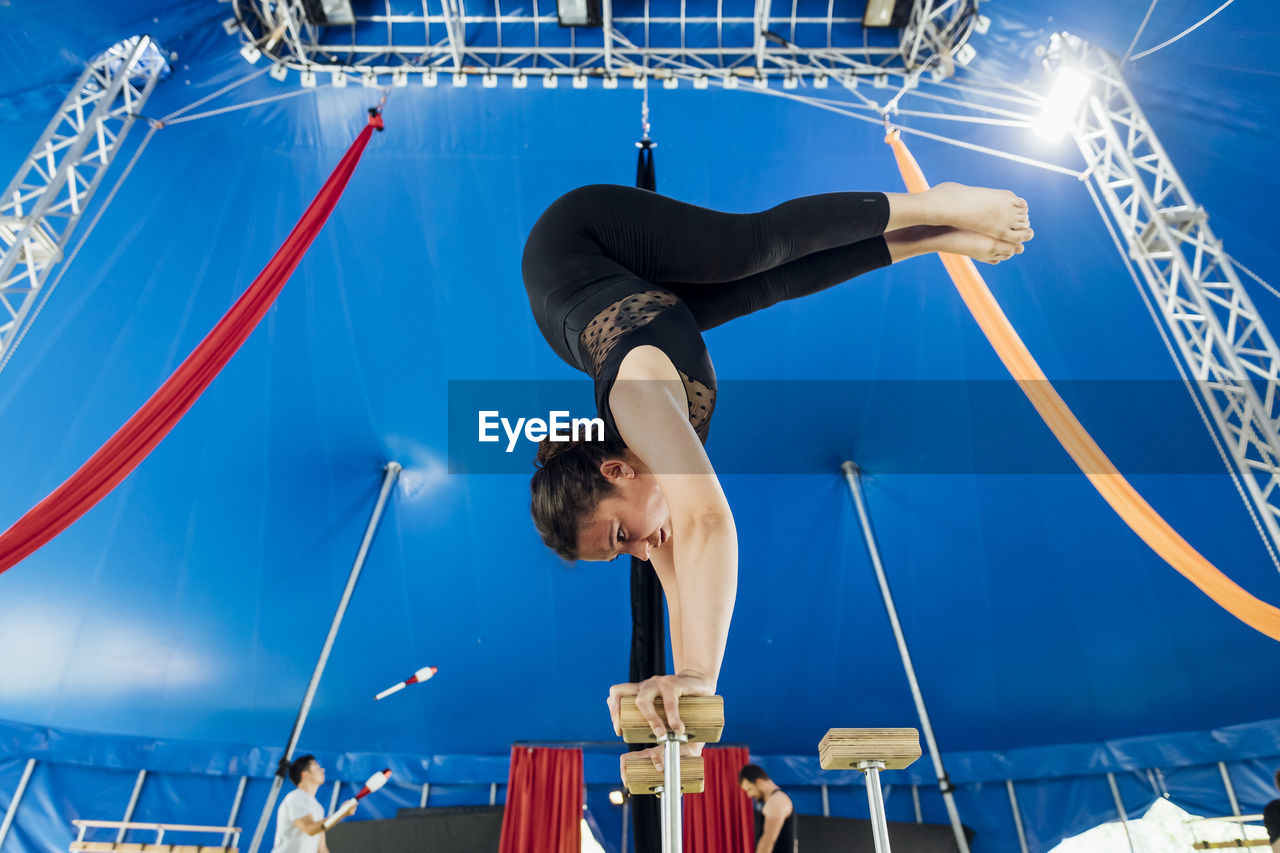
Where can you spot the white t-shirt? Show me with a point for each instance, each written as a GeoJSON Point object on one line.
{"type": "Point", "coordinates": [289, 839]}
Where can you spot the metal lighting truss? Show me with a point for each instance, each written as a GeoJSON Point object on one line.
{"type": "Point", "coordinates": [754, 39]}
{"type": "Point", "coordinates": [1232, 357]}
{"type": "Point", "coordinates": [43, 203]}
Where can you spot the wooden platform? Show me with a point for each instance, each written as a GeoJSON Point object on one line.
{"type": "Point", "coordinates": [703, 718]}
{"type": "Point", "coordinates": [1231, 845]}
{"type": "Point", "coordinates": [842, 749]}
{"type": "Point", "coordinates": [641, 777]}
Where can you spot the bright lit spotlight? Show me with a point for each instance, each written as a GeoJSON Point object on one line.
{"type": "Point", "coordinates": [1062, 105]}
{"type": "Point", "coordinates": [615, 797]}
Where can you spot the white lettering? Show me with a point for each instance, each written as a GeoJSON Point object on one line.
{"type": "Point", "coordinates": [512, 434]}
{"type": "Point", "coordinates": [486, 424]}
{"type": "Point", "coordinates": [559, 427]}
{"type": "Point", "coordinates": [559, 422]}
{"type": "Point", "coordinates": [588, 424]}
{"type": "Point", "coordinates": [535, 430]}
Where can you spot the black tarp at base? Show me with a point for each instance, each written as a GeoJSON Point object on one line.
{"type": "Point", "coordinates": [463, 829]}
{"type": "Point", "coordinates": [847, 835]}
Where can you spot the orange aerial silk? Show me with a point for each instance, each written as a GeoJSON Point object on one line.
{"type": "Point", "coordinates": [1109, 482]}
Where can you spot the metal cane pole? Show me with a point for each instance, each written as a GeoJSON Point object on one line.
{"type": "Point", "coordinates": [875, 799]}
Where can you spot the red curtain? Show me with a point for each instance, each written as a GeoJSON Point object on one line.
{"type": "Point", "coordinates": [544, 802]}
{"type": "Point", "coordinates": [719, 820]}
{"type": "Point", "coordinates": [141, 433]}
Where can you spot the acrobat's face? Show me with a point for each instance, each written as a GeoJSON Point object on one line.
{"type": "Point", "coordinates": [633, 520]}
{"type": "Point", "coordinates": [750, 789]}
{"type": "Point", "coordinates": [314, 773]}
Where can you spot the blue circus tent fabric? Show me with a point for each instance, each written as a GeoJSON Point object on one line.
{"type": "Point", "coordinates": [173, 629]}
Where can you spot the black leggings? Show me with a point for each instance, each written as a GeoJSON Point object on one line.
{"type": "Point", "coordinates": [721, 265]}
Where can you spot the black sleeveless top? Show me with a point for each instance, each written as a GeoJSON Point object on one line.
{"type": "Point", "coordinates": [787, 841]}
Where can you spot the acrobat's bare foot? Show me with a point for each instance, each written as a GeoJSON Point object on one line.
{"type": "Point", "coordinates": [996, 213]}
{"type": "Point", "coordinates": [924, 239]}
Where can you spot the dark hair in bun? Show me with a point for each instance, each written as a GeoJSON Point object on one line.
{"type": "Point", "coordinates": [567, 487]}
{"type": "Point", "coordinates": [294, 769]}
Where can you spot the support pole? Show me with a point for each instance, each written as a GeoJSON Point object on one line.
{"type": "Point", "coordinates": [1124, 818]}
{"type": "Point", "coordinates": [12, 812]}
{"type": "Point", "coordinates": [626, 808]}
{"type": "Point", "coordinates": [875, 800]}
{"type": "Point", "coordinates": [235, 810]}
{"type": "Point", "coordinates": [1231, 790]}
{"type": "Point", "coordinates": [672, 825]}
{"type": "Point", "coordinates": [133, 804]}
{"type": "Point", "coordinates": [853, 478]}
{"type": "Point", "coordinates": [1017, 816]}
{"type": "Point", "coordinates": [389, 475]}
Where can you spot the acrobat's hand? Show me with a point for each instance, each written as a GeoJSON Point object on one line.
{"type": "Point", "coordinates": [668, 688]}
{"type": "Point", "coordinates": [654, 753]}
{"type": "Point", "coordinates": [348, 808]}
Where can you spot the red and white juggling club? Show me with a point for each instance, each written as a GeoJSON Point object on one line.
{"type": "Point", "coordinates": [421, 675]}
{"type": "Point", "coordinates": [373, 783]}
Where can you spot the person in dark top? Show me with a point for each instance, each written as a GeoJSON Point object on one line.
{"type": "Point", "coordinates": [1271, 820]}
{"type": "Point", "coordinates": [776, 818]}
{"type": "Point", "coordinates": [622, 282]}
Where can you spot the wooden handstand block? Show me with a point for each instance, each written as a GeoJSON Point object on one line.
{"type": "Point", "coordinates": [842, 749]}
{"type": "Point", "coordinates": [641, 777]}
{"type": "Point", "coordinates": [703, 718]}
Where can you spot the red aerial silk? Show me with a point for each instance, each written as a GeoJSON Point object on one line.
{"type": "Point", "coordinates": [141, 433]}
{"type": "Point", "coordinates": [544, 802]}
{"type": "Point", "coordinates": [720, 817]}
{"type": "Point", "coordinates": [1071, 434]}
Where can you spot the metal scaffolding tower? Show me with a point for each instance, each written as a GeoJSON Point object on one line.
{"type": "Point", "coordinates": [753, 39]}
{"type": "Point", "coordinates": [1232, 357]}
{"type": "Point", "coordinates": [45, 200]}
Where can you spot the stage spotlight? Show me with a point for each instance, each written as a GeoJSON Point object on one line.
{"type": "Point", "coordinates": [333, 12]}
{"type": "Point", "coordinates": [615, 797]}
{"type": "Point", "coordinates": [578, 13]}
{"type": "Point", "coordinates": [886, 13]}
{"type": "Point", "coordinates": [1063, 104]}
